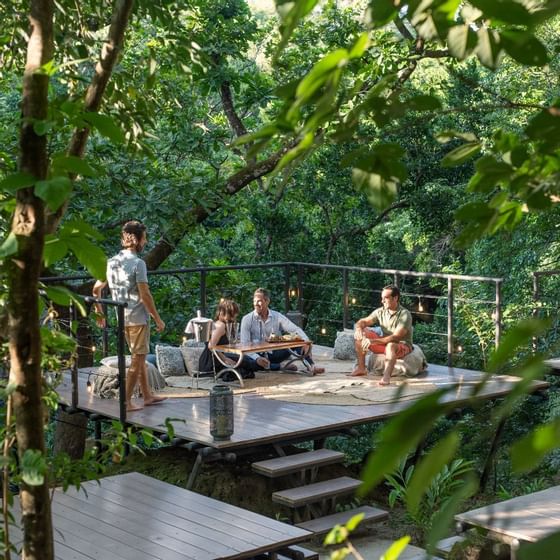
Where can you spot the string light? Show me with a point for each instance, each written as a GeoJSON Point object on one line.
{"type": "Point", "coordinates": [420, 306]}
{"type": "Point", "coordinates": [353, 301]}
{"type": "Point", "coordinates": [89, 385]}
{"type": "Point", "coordinates": [323, 330]}
{"type": "Point", "coordinates": [459, 348]}
{"type": "Point", "coordinates": [93, 348]}
{"type": "Point", "coordinates": [184, 340]}
{"type": "Point", "coordinates": [293, 292]}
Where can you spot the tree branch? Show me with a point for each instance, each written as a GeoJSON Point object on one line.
{"type": "Point", "coordinates": [94, 94]}
{"type": "Point", "coordinates": [197, 214]}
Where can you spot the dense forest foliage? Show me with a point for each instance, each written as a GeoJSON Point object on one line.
{"type": "Point", "coordinates": [424, 138]}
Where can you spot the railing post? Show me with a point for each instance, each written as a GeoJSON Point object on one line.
{"type": "Point", "coordinates": [203, 292]}
{"type": "Point", "coordinates": [498, 320]}
{"type": "Point", "coordinates": [535, 312]}
{"type": "Point", "coordinates": [345, 298]}
{"type": "Point", "coordinates": [450, 322]}
{"type": "Point", "coordinates": [300, 287]}
{"type": "Point", "coordinates": [396, 279]}
{"type": "Point", "coordinates": [121, 363]}
{"type": "Point", "coordinates": [287, 288]}
{"type": "Point", "coordinates": [74, 366]}
{"type": "Point", "coordinates": [105, 330]}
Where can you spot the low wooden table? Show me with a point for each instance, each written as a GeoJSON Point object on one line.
{"type": "Point", "coordinates": [526, 518]}
{"type": "Point", "coordinates": [260, 347]}
{"type": "Point", "coordinates": [133, 516]}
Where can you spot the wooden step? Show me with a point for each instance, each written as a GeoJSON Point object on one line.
{"type": "Point", "coordinates": [297, 553]}
{"type": "Point", "coordinates": [444, 546]}
{"type": "Point", "coordinates": [289, 464]}
{"type": "Point", "coordinates": [303, 495]}
{"type": "Point", "coordinates": [424, 556]}
{"type": "Point", "coordinates": [325, 524]}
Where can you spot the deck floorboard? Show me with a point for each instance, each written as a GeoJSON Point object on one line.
{"type": "Point", "coordinates": [259, 420]}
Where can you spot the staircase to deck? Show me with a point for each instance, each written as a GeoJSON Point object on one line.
{"type": "Point", "coordinates": [314, 503]}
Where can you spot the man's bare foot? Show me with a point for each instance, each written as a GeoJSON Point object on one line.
{"type": "Point", "coordinates": [384, 381]}
{"type": "Point", "coordinates": [316, 370]}
{"type": "Point", "coordinates": [132, 407]}
{"type": "Point", "coordinates": [154, 400]}
{"type": "Point", "coordinates": [357, 373]}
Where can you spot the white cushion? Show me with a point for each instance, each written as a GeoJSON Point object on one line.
{"type": "Point", "coordinates": [169, 360]}
{"type": "Point", "coordinates": [411, 365]}
{"type": "Point", "coordinates": [113, 361]}
{"type": "Point", "coordinates": [344, 346]}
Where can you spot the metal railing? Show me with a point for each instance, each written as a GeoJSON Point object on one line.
{"type": "Point", "coordinates": [293, 286]}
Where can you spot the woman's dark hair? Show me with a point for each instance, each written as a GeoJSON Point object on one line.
{"type": "Point", "coordinates": [131, 234]}
{"type": "Point", "coordinates": [227, 308]}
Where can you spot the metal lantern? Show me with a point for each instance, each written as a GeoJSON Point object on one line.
{"type": "Point", "coordinates": [221, 412]}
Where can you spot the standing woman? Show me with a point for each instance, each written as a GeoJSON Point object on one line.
{"type": "Point", "coordinates": [226, 313]}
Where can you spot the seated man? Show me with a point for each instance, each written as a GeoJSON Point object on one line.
{"type": "Point", "coordinates": [258, 325]}
{"type": "Point", "coordinates": [396, 342]}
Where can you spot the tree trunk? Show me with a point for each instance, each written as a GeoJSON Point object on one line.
{"type": "Point", "coordinates": [23, 273]}
{"type": "Point", "coordinates": [70, 434]}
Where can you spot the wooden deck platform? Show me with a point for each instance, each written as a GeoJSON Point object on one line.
{"type": "Point", "coordinates": [526, 518]}
{"type": "Point", "coordinates": [136, 517]}
{"type": "Point", "coordinates": [260, 421]}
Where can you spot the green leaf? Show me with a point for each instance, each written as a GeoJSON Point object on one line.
{"type": "Point", "coordinates": [443, 520]}
{"type": "Point", "coordinates": [291, 13]}
{"type": "Point", "coordinates": [73, 164]}
{"type": "Point", "coordinates": [448, 135]}
{"type": "Point", "coordinates": [430, 465]}
{"type": "Point", "coordinates": [546, 547]}
{"type": "Point", "coordinates": [471, 210]}
{"type": "Point", "coordinates": [55, 250]}
{"type": "Point", "coordinates": [461, 41]}
{"type": "Point", "coordinates": [33, 467]}
{"type": "Point", "coordinates": [354, 521]}
{"type": "Point", "coordinates": [76, 226]}
{"type": "Point", "coordinates": [461, 154]}
{"type": "Point", "coordinates": [106, 126]}
{"type": "Point", "coordinates": [489, 172]}
{"type": "Point", "coordinates": [320, 72]}
{"type": "Point", "coordinates": [518, 336]}
{"type": "Point", "coordinates": [545, 126]}
{"type": "Point", "coordinates": [381, 12]}
{"type": "Point", "coordinates": [396, 549]}
{"type": "Point", "coordinates": [360, 46]}
{"type": "Point", "coordinates": [64, 296]}
{"type": "Point", "coordinates": [488, 48]}
{"type": "Point", "coordinates": [399, 436]}
{"type": "Point", "coordinates": [527, 453]}
{"type": "Point", "coordinates": [54, 191]}
{"type": "Point", "coordinates": [524, 47]}
{"type": "Point", "coordinates": [381, 193]}
{"type": "Point", "coordinates": [17, 181]}
{"type": "Point", "coordinates": [9, 247]}
{"type": "Point", "coordinates": [423, 103]}
{"type": "Point", "coordinates": [304, 145]}
{"type": "Point", "coordinates": [40, 127]}
{"type": "Point", "coordinates": [507, 11]}
{"type": "Point", "coordinates": [89, 255]}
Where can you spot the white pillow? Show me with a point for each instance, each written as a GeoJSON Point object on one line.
{"type": "Point", "coordinates": [113, 361]}
{"type": "Point", "coordinates": [169, 360]}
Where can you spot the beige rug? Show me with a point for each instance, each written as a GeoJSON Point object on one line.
{"type": "Point", "coordinates": [332, 388]}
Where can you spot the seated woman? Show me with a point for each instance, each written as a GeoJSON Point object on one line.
{"type": "Point", "coordinates": [226, 314]}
